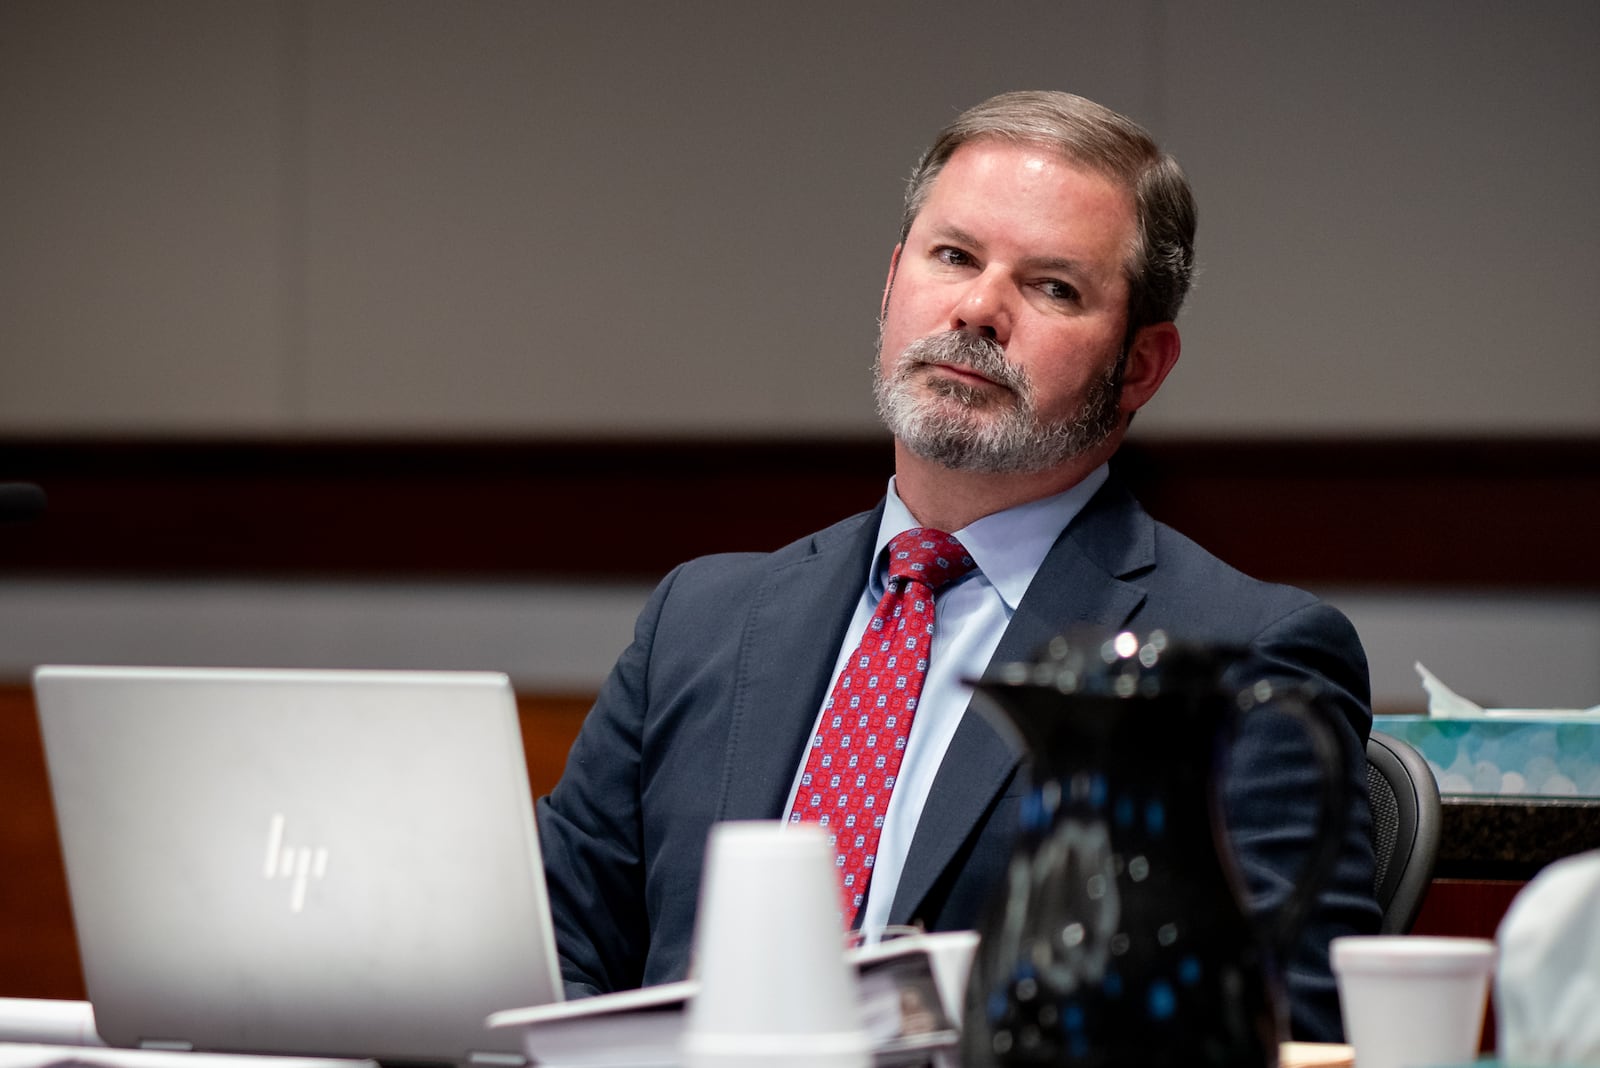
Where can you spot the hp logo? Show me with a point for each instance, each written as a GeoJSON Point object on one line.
{"type": "Point", "coordinates": [299, 863]}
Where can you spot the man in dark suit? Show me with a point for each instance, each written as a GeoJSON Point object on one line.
{"type": "Point", "coordinates": [1029, 311]}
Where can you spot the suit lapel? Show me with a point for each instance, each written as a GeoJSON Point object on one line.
{"type": "Point", "coordinates": [1082, 582]}
{"type": "Point", "coordinates": [787, 654]}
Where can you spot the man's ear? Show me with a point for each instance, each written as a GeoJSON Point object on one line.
{"type": "Point", "coordinates": [888, 283]}
{"type": "Point", "coordinates": [1151, 357]}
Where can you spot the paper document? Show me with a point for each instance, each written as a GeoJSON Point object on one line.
{"type": "Point", "coordinates": [48, 1021]}
{"type": "Point", "coordinates": [904, 1005]}
{"type": "Point", "coordinates": [25, 1055]}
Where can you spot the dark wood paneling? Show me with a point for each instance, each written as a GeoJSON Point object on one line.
{"type": "Point", "coordinates": [422, 509]}
{"type": "Point", "coordinates": [1477, 513]}
{"type": "Point", "coordinates": [38, 951]}
{"type": "Point", "coordinates": [1480, 513]}
{"type": "Point", "coordinates": [1467, 908]}
{"type": "Point", "coordinates": [1471, 908]}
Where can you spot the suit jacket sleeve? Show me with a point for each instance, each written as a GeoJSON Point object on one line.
{"type": "Point", "coordinates": [590, 830]}
{"type": "Point", "coordinates": [1271, 797]}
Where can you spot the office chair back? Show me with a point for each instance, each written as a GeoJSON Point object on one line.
{"type": "Point", "coordinates": [1406, 816]}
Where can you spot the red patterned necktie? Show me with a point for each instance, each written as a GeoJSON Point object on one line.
{"type": "Point", "coordinates": [855, 754]}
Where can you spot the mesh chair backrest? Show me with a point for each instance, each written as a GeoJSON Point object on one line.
{"type": "Point", "coordinates": [1385, 823]}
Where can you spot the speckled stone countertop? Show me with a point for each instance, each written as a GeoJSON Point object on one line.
{"type": "Point", "coordinates": [1513, 837]}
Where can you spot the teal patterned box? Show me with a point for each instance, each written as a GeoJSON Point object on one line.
{"type": "Point", "coordinates": [1510, 756]}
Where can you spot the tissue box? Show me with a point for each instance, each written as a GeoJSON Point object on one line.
{"type": "Point", "coordinates": [1520, 756]}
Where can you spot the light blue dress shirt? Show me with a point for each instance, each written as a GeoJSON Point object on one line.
{"type": "Point", "coordinates": [969, 618]}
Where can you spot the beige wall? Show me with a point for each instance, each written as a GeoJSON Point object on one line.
{"type": "Point", "coordinates": [287, 216]}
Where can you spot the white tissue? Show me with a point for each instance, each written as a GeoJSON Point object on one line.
{"type": "Point", "coordinates": [1547, 986]}
{"type": "Point", "coordinates": [1442, 700]}
{"type": "Point", "coordinates": [1445, 703]}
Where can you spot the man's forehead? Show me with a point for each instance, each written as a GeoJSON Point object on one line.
{"type": "Point", "coordinates": [1064, 225]}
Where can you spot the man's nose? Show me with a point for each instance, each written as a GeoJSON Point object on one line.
{"type": "Point", "coordinates": [984, 308]}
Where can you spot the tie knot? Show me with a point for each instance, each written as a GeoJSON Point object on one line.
{"type": "Point", "coordinates": [928, 556]}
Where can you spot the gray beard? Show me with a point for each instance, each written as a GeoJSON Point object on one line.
{"type": "Point", "coordinates": [969, 429]}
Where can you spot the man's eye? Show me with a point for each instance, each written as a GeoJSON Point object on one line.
{"type": "Point", "coordinates": [1058, 290]}
{"type": "Point", "coordinates": [952, 256]}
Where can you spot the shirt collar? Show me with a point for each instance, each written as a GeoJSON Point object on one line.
{"type": "Point", "coordinates": [1008, 546]}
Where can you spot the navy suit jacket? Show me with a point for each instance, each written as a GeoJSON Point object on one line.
{"type": "Point", "coordinates": [707, 712]}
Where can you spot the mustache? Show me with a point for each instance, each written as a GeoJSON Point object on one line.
{"type": "Point", "coordinates": [968, 351]}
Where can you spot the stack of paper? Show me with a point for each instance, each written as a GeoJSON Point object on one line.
{"type": "Point", "coordinates": [905, 1006]}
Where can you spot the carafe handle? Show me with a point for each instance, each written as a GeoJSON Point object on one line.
{"type": "Point", "coordinates": [1314, 714]}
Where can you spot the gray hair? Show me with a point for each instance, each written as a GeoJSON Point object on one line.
{"type": "Point", "coordinates": [1094, 137]}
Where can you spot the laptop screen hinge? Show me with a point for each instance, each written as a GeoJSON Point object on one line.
{"type": "Point", "coordinates": [496, 1059]}
{"type": "Point", "coordinates": [172, 1045]}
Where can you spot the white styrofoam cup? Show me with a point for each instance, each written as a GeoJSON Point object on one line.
{"type": "Point", "coordinates": [1411, 1001]}
{"type": "Point", "coordinates": [775, 988]}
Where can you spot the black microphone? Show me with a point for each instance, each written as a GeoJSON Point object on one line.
{"type": "Point", "coordinates": [20, 500]}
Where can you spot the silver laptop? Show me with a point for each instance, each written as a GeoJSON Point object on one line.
{"type": "Point", "coordinates": [329, 863]}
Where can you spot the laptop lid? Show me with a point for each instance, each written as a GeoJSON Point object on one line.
{"type": "Point", "coordinates": [331, 863]}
